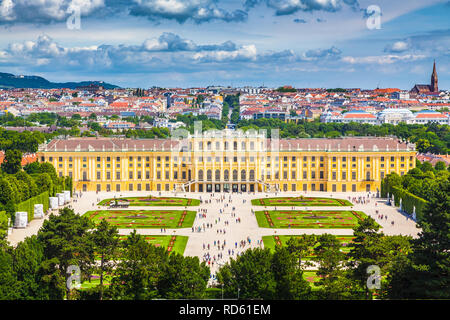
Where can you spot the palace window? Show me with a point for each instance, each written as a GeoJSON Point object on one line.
{"type": "Point", "coordinates": [217, 175]}
{"type": "Point", "coordinates": [243, 175]}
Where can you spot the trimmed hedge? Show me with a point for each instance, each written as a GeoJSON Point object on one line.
{"type": "Point", "coordinates": [3, 224]}
{"type": "Point", "coordinates": [28, 205]}
{"type": "Point", "coordinates": [409, 201]}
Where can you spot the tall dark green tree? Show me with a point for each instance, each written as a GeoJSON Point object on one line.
{"type": "Point", "coordinates": [330, 259]}
{"type": "Point", "coordinates": [32, 277]}
{"type": "Point", "coordinates": [251, 274]}
{"type": "Point", "coordinates": [425, 273]}
{"type": "Point", "coordinates": [12, 162]}
{"type": "Point", "coordinates": [67, 242]}
{"type": "Point", "coordinates": [183, 278]}
{"type": "Point", "coordinates": [290, 284]}
{"type": "Point", "coordinates": [366, 250]}
{"type": "Point", "coordinates": [8, 282]}
{"type": "Point", "coordinates": [136, 275]}
{"type": "Point", "coordinates": [302, 247]}
{"type": "Point", "coordinates": [105, 239]}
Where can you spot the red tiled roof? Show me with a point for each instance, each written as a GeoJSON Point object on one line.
{"type": "Point", "coordinates": [358, 116]}
{"type": "Point", "coordinates": [367, 144]}
{"type": "Point", "coordinates": [430, 115]}
{"type": "Point", "coordinates": [119, 104]}
{"type": "Point", "coordinates": [26, 159]}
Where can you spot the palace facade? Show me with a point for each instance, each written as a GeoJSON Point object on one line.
{"type": "Point", "coordinates": [228, 161]}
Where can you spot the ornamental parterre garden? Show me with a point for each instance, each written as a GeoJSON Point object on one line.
{"type": "Point", "coordinates": [272, 241]}
{"type": "Point", "coordinates": [153, 201]}
{"type": "Point", "coordinates": [301, 202]}
{"type": "Point", "coordinates": [311, 277]}
{"type": "Point", "coordinates": [308, 219]}
{"type": "Point", "coordinates": [140, 219]}
{"type": "Point", "coordinates": [175, 244]}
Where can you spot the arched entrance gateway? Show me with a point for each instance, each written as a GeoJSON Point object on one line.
{"type": "Point", "coordinates": [219, 181]}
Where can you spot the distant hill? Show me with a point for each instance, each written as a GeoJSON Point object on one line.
{"type": "Point", "coordinates": [8, 80]}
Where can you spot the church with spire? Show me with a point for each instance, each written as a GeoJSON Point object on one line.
{"type": "Point", "coordinates": [432, 88]}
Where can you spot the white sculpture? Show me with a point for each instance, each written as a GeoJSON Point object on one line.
{"type": "Point", "coordinates": [21, 219]}
{"type": "Point", "coordinates": [66, 196]}
{"type": "Point", "coordinates": [53, 202]}
{"type": "Point", "coordinates": [38, 211]}
{"type": "Point", "coordinates": [60, 198]}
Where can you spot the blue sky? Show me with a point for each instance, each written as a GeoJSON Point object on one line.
{"type": "Point", "coordinates": [187, 43]}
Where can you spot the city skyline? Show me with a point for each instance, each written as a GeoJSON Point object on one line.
{"type": "Point", "coordinates": [177, 43]}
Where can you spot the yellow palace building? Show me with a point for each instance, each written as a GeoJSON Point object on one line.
{"type": "Point", "coordinates": [228, 161]}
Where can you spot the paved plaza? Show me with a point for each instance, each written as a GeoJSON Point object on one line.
{"type": "Point", "coordinates": [223, 220]}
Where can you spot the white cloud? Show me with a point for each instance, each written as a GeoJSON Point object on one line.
{"type": "Point", "coordinates": [384, 59]}
{"type": "Point", "coordinates": [399, 46]}
{"type": "Point", "coordinates": [247, 52]}
{"type": "Point", "coordinates": [182, 10]}
{"type": "Point", "coordinates": [6, 10]}
{"type": "Point", "coordinates": [287, 7]}
{"type": "Point", "coordinates": [44, 11]}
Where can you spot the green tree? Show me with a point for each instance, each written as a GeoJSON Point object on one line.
{"type": "Point", "coordinates": [425, 273]}
{"type": "Point", "coordinates": [440, 165]}
{"type": "Point", "coordinates": [66, 242]}
{"type": "Point", "coordinates": [426, 166]}
{"type": "Point", "coordinates": [28, 266]}
{"type": "Point", "coordinates": [3, 225]}
{"type": "Point", "coordinates": [136, 275]}
{"type": "Point", "coordinates": [105, 239]}
{"type": "Point", "coordinates": [74, 131]}
{"type": "Point", "coordinates": [290, 284]}
{"type": "Point", "coordinates": [302, 247]}
{"type": "Point", "coordinates": [12, 162]}
{"type": "Point", "coordinates": [250, 273]}
{"type": "Point", "coordinates": [33, 167]}
{"type": "Point", "coordinates": [6, 192]}
{"type": "Point", "coordinates": [183, 278]}
{"type": "Point", "coordinates": [30, 185]}
{"type": "Point", "coordinates": [43, 182]}
{"type": "Point", "coordinates": [365, 251]}
{"type": "Point", "coordinates": [391, 180]}
{"type": "Point", "coordinates": [330, 258]}
{"type": "Point", "coordinates": [8, 282]}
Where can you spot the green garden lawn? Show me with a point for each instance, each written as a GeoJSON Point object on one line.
{"type": "Point", "coordinates": [140, 219]}
{"type": "Point", "coordinates": [311, 277]}
{"type": "Point", "coordinates": [308, 219]}
{"type": "Point", "coordinates": [272, 241]}
{"type": "Point", "coordinates": [301, 202]}
{"type": "Point", "coordinates": [175, 244]}
{"type": "Point", "coordinates": [153, 201]}
{"type": "Point", "coordinates": [95, 281]}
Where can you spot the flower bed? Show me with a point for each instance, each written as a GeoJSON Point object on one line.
{"type": "Point", "coordinates": [146, 218]}
{"type": "Point", "coordinates": [152, 201]}
{"type": "Point", "coordinates": [301, 202]}
{"type": "Point", "coordinates": [308, 219]}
